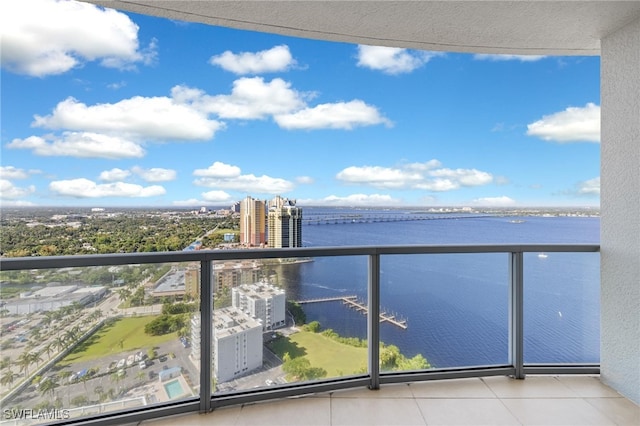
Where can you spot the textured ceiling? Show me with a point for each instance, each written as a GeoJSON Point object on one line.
{"type": "Point", "coordinates": [516, 27]}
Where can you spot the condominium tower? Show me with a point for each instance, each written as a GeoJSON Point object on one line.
{"type": "Point", "coordinates": [285, 223]}
{"type": "Point", "coordinates": [252, 222]}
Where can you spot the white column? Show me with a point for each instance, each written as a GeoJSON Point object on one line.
{"type": "Point", "coordinates": [620, 210]}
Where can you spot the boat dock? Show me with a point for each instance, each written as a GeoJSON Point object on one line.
{"type": "Point", "coordinates": [353, 303]}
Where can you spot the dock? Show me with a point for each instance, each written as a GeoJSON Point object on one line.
{"type": "Point", "coordinates": [353, 303]}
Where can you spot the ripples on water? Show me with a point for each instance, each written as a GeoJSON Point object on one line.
{"type": "Point", "coordinates": [456, 305]}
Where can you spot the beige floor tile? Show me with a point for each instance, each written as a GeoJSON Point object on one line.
{"type": "Point", "coordinates": [620, 410]}
{"type": "Point", "coordinates": [298, 411]}
{"type": "Point", "coordinates": [556, 411]}
{"type": "Point", "coordinates": [378, 412]}
{"type": "Point", "coordinates": [223, 416]}
{"type": "Point", "coordinates": [455, 388]}
{"type": "Point", "coordinates": [386, 391]}
{"type": "Point", "coordinates": [466, 412]}
{"type": "Point", "coordinates": [531, 387]}
{"type": "Point", "coordinates": [588, 386]}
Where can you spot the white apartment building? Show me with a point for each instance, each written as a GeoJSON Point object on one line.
{"type": "Point", "coordinates": [264, 302]}
{"type": "Point", "coordinates": [237, 343]}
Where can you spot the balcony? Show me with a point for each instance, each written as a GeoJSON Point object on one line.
{"type": "Point", "coordinates": [179, 381]}
{"type": "Point", "coordinates": [540, 400]}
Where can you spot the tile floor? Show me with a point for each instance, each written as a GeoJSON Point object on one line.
{"type": "Point", "coordinates": [537, 400]}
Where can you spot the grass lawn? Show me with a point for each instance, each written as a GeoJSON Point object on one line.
{"type": "Point", "coordinates": [124, 335]}
{"type": "Point", "coordinates": [336, 358]}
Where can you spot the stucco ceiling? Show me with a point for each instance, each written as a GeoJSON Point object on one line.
{"type": "Point", "coordinates": [515, 27]}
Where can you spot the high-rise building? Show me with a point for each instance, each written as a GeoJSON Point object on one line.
{"type": "Point", "coordinates": [252, 222]}
{"type": "Point", "coordinates": [263, 302]}
{"type": "Point", "coordinates": [285, 223]}
{"type": "Point", "coordinates": [236, 346]}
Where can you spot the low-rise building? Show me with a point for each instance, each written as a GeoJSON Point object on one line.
{"type": "Point", "coordinates": [264, 302]}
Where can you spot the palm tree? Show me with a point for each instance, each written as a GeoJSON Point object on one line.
{"type": "Point", "coordinates": [99, 391]}
{"type": "Point", "coordinates": [24, 361]}
{"type": "Point", "coordinates": [64, 376]}
{"type": "Point", "coordinates": [8, 377]}
{"type": "Point", "coordinates": [48, 385]}
{"type": "Point", "coordinates": [116, 377]}
{"type": "Point", "coordinates": [36, 357]}
{"type": "Point", "coordinates": [49, 348]}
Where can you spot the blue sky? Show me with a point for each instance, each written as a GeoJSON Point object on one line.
{"type": "Point", "coordinates": [103, 108]}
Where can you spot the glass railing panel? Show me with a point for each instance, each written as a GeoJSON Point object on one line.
{"type": "Point", "coordinates": [561, 308]}
{"type": "Point", "coordinates": [443, 311]}
{"type": "Point", "coordinates": [85, 341]}
{"type": "Point", "coordinates": [301, 320]}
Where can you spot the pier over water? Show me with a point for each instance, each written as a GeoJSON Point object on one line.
{"type": "Point", "coordinates": [353, 303]}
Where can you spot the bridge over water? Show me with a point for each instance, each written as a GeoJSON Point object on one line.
{"type": "Point", "coordinates": [335, 219]}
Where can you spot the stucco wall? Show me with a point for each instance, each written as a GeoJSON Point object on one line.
{"type": "Point", "coordinates": [620, 209]}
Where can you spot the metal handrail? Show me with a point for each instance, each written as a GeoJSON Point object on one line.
{"type": "Point", "coordinates": [373, 378]}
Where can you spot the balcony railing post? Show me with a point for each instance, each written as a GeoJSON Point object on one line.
{"type": "Point", "coordinates": [206, 320]}
{"type": "Point", "coordinates": [373, 329]}
{"type": "Point", "coordinates": [516, 318]}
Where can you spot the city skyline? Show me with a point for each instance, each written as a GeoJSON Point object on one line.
{"type": "Point", "coordinates": [162, 113]}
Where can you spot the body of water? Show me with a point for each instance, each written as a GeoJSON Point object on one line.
{"type": "Point", "coordinates": [457, 305]}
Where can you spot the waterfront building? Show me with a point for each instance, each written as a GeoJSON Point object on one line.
{"type": "Point", "coordinates": [237, 343]}
{"type": "Point", "coordinates": [252, 222]}
{"type": "Point", "coordinates": [234, 273]}
{"type": "Point", "coordinates": [263, 302]}
{"type": "Point", "coordinates": [285, 223]}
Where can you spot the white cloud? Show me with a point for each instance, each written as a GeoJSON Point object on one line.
{"type": "Point", "coordinates": [85, 188]}
{"type": "Point", "coordinates": [218, 170]}
{"type": "Point", "coordinates": [156, 118]}
{"type": "Point", "coordinates": [250, 99]}
{"type": "Point", "coordinates": [521, 58]}
{"type": "Point", "coordinates": [9, 191]}
{"type": "Point", "coordinates": [46, 37]}
{"type": "Point", "coordinates": [503, 201]}
{"type": "Point", "coordinates": [226, 176]}
{"type": "Point", "coordinates": [465, 177]}
{"type": "Point", "coordinates": [216, 196]}
{"type": "Point", "coordinates": [82, 145]}
{"type": "Point", "coordinates": [428, 176]}
{"type": "Point", "coordinates": [352, 200]}
{"type": "Point", "coordinates": [155, 174]}
{"type": "Point", "coordinates": [392, 60]}
{"type": "Point", "coordinates": [379, 177]}
{"type": "Point", "coordinates": [275, 59]}
{"type": "Point", "coordinates": [341, 115]}
{"type": "Point", "coordinates": [575, 124]}
{"type": "Point", "coordinates": [248, 184]}
{"type": "Point", "coordinates": [10, 172]}
{"type": "Point", "coordinates": [589, 187]}
{"type": "Point", "coordinates": [114, 175]}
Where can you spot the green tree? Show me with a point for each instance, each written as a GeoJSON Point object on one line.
{"type": "Point", "coordinates": [8, 377]}
{"type": "Point", "coordinates": [313, 326]}
{"type": "Point", "coordinates": [48, 385]}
